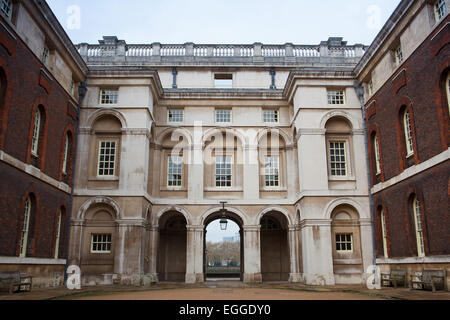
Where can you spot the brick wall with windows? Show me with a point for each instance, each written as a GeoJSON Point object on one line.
{"type": "Point", "coordinates": [26, 86]}
{"type": "Point", "coordinates": [418, 87]}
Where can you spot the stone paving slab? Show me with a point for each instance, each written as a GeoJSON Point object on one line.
{"type": "Point", "coordinates": [203, 291]}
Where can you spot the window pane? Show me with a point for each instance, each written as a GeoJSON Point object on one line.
{"type": "Point", "coordinates": [109, 96]}
{"type": "Point", "coordinates": [175, 115]}
{"type": "Point", "coordinates": [270, 115]}
{"type": "Point", "coordinates": [106, 159]}
{"type": "Point", "coordinates": [223, 171]}
{"type": "Point", "coordinates": [174, 171]}
{"type": "Point", "coordinates": [223, 116]}
{"type": "Point", "coordinates": [338, 163]}
{"type": "Point", "coordinates": [336, 97]}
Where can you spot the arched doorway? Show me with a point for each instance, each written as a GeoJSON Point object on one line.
{"type": "Point", "coordinates": [231, 268]}
{"type": "Point", "coordinates": [275, 261]}
{"type": "Point", "coordinates": [171, 262]}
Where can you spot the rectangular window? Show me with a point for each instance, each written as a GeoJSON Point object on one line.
{"type": "Point", "coordinates": [66, 154]}
{"type": "Point", "coordinates": [223, 116]}
{"type": "Point", "coordinates": [101, 243]}
{"type": "Point", "coordinates": [336, 97]}
{"type": "Point", "coordinates": [7, 8]}
{"type": "Point", "coordinates": [398, 55]}
{"type": "Point", "coordinates": [223, 81]}
{"type": "Point", "coordinates": [338, 161]}
{"type": "Point", "coordinates": [370, 88]}
{"type": "Point", "coordinates": [344, 242]}
{"type": "Point", "coordinates": [440, 9]}
{"type": "Point", "coordinates": [45, 55]}
{"type": "Point", "coordinates": [175, 115]}
{"type": "Point", "coordinates": [408, 134]}
{"type": "Point", "coordinates": [174, 171]}
{"type": "Point", "coordinates": [271, 168]}
{"type": "Point", "coordinates": [377, 155]}
{"type": "Point", "coordinates": [384, 234]}
{"type": "Point", "coordinates": [223, 172]}
{"type": "Point", "coordinates": [107, 158]}
{"type": "Point", "coordinates": [419, 231]}
{"type": "Point", "coordinates": [58, 236]}
{"type": "Point", "coordinates": [270, 116]}
{"type": "Point", "coordinates": [36, 133]}
{"type": "Point", "coordinates": [109, 96]}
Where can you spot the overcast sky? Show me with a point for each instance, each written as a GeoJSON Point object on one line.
{"type": "Point", "coordinates": [223, 21]}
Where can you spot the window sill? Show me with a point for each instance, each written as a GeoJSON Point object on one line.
{"type": "Point", "coordinates": [224, 189]}
{"type": "Point", "coordinates": [104, 179]}
{"type": "Point", "coordinates": [409, 155]}
{"type": "Point", "coordinates": [276, 189]}
{"type": "Point", "coordinates": [352, 179]}
{"type": "Point", "coordinates": [172, 189]}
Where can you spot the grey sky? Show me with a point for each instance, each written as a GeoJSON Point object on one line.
{"type": "Point", "coordinates": [214, 234]}
{"type": "Point", "coordinates": [226, 21]}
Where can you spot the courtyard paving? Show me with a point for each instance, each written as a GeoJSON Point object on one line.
{"type": "Point", "coordinates": [227, 290]}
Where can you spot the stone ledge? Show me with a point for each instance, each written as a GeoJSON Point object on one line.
{"type": "Point", "coordinates": [39, 261]}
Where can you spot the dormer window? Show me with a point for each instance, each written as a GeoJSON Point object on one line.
{"type": "Point", "coordinates": [398, 54]}
{"type": "Point", "coordinates": [7, 8]}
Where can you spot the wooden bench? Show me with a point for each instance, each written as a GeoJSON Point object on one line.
{"type": "Point", "coordinates": [429, 280]}
{"type": "Point", "coordinates": [394, 278]}
{"type": "Point", "coordinates": [15, 282]}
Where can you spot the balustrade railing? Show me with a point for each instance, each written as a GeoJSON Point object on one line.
{"type": "Point", "coordinates": [120, 48]}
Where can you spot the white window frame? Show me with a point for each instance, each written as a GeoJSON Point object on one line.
{"type": "Point", "coordinates": [440, 10]}
{"type": "Point", "coordinates": [180, 158]}
{"type": "Point", "coordinates": [103, 241]}
{"type": "Point", "coordinates": [271, 116]}
{"type": "Point", "coordinates": [447, 85]}
{"type": "Point", "coordinates": [7, 8]}
{"type": "Point", "coordinates": [407, 128]}
{"type": "Point", "coordinates": [109, 97]}
{"type": "Point", "coordinates": [398, 55]}
{"type": "Point", "coordinates": [25, 228]}
{"type": "Point", "coordinates": [58, 234]}
{"type": "Point", "coordinates": [66, 154]}
{"type": "Point", "coordinates": [384, 233]}
{"type": "Point", "coordinates": [176, 117]}
{"type": "Point", "coordinates": [346, 242]}
{"type": "Point", "coordinates": [104, 161]}
{"type": "Point", "coordinates": [216, 168]}
{"type": "Point", "coordinates": [330, 161]}
{"type": "Point", "coordinates": [220, 114]}
{"type": "Point", "coordinates": [36, 133]}
{"type": "Point", "coordinates": [418, 228]}
{"type": "Point", "coordinates": [45, 55]}
{"type": "Point", "coordinates": [336, 97]}
{"type": "Point", "coordinates": [272, 172]}
{"type": "Point", "coordinates": [376, 146]}
{"type": "Point", "coordinates": [370, 87]}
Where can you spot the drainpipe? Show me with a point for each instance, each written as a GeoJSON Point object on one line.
{"type": "Point", "coordinates": [81, 93]}
{"type": "Point", "coordinates": [360, 92]}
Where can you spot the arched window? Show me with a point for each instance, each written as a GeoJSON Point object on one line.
{"type": "Point", "coordinates": [418, 227]}
{"type": "Point", "coordinates": [58, 234]}
{"type": "Point", "coordinates": [408, 133]}
{"type": "Point", "coordinates": [376, 146]}
{"type": "Point", "coordinates": [447, 87]}
{"type": "Point", "coordinates": [36, 133]}
{"type": "Point", "coordinates": [25, 228]}
{"type": "Point", "coordinates": [384, 233]}
{"type": "Point", "coordinates": [66, 154]}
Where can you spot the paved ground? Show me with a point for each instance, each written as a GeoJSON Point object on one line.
{"type": "Point", "coordinates": [228, 290]}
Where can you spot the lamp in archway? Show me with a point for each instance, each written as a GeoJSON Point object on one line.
{"type": "Point", "coordinates": [223, 220]}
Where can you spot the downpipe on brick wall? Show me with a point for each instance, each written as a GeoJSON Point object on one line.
{"type": "Point", "coordinates": [360, 93]}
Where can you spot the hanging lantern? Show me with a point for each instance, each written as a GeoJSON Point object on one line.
{"type": "Point", "coordinates": [223, 220]}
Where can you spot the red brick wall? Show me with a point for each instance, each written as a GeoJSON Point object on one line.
{"type": "Point", "coordinates": [28, 85]}
{"type": "Point", "coordinates": [417, 86]}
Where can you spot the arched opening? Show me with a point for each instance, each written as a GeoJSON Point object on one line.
{"type": "Point", "coordinates": [346, 244]}
{"type": "Point", "coordinates": [3, 86]}
{"type": "Point", "coordinates": [171, 261]}
{"type": "Point", "coordinates": [275, 260]}
{"type": "Point", "coordinates": [100, 239]}
{"type": "Point", "coordinates": [223, 249]}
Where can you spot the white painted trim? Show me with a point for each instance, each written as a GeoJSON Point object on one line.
{"type": "Point", "coordinates": [414, 260]}
{"type": "Point", "coordinates": [412, 171]}
{"type": "Point", "coordinates": [38, 261]}
{"type": "Point", "coordinates": [33, 171]}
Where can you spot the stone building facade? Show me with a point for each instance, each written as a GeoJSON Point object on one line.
{"type": "Point", "coordinates": [406, 78]}
{"type": "Point", "coordinates": [276, 131]}
{"type": "Point", "coordinates": [39, 76]}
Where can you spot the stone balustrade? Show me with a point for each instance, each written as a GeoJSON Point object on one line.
{"type": "Point", "coordinates": [110, 49]}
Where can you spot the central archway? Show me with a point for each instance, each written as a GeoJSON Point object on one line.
{"type": "Point", "coordinates": [217, 274]}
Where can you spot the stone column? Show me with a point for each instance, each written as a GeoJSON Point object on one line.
{"type": "Point", "coordinates": [196, 166]}
{"type": "Point", "coordinates": [366, 245]}
{"type": "Point", "coordinates": [152, 253]}
{"type": "Point", "coordinates": [294, 275]}
{"type": "Point", "coordinates": [252, 254]}
{"type": "Point", "coordinates": [251, 172]}
{"type": "Point", "coordinates": [291, 172]}
{"type": "Point", "coordinates": [317, 253]}
{"type": "Point", "coordinates": [76, 243]}
{"type": "Point", "coordinates": [194, 254]}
